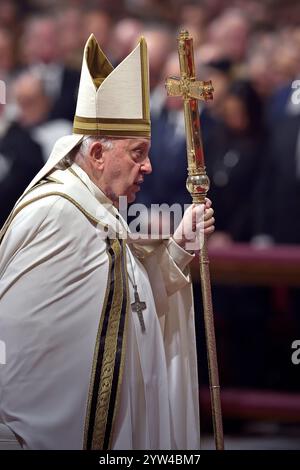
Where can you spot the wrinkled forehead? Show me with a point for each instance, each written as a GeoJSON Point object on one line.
{"type": "Point", "coordinates": [131, 142]}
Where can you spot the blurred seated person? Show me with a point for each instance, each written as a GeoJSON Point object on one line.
{"type": "Point", "coordinates": [20, 159]}
{"type": "Point", "coordinates": [286, 70]}
{"type": "Point", "coordinates": [69, 22]}
{"type": "Point", "coordinates": [234, 157]}
{"type": "Point", "coordinates": [281, 181]}
{"type": "Point", "coordinates": [124, 36]}
{"type": "Point", "coordinates": [230, 32]}
{"type": "Point", "coordinates": [99, 21]}
{"type": "Point", "coordinates": [8, 62]}
{"type": "Point", "coordinates": [34, 109]}
{"type": "Point", "coordinates": [160, 42]}
{"type": "Point", "coordinates": [41, 52]}
{"type": "Point", "coordinates": [279, 223]}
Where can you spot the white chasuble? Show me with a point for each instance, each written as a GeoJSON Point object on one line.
{"type": "Point", "coordinates": [80, 372]}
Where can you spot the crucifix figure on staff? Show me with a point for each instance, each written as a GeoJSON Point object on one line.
{"type": "Point", "coordinates": [192, 90]}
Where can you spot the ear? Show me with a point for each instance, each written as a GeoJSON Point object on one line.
{"type": "Point", "coordinates": [96, 155]}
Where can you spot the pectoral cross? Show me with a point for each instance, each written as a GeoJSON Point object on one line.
{"type": "Point", "coordinates": [138, 307]}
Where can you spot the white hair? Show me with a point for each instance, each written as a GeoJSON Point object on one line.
{"type": "Point", "coordinates": [85, 144]}
{"type": "Point", "coordinates": [83, 149]}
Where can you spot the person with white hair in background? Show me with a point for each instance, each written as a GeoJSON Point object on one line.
{"type": "Point", "coordinates": [33, 109]}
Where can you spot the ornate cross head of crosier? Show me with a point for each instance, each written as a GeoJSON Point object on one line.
{"type": "Point", "coordinates": [189, 88]}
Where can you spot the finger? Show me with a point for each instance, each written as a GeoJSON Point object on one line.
{"type": "Point", "coordinates": [189, 210]}
{"type": "Point", "coordinates": [209, 223]}
{"type": "Point", "coordinates": [198, 208]}
{"type": "Point", "coordinates": [200, 227]}
{"type": "Point", "coordinates": [208, 203]}
{"type": "Point", "coordinates": [205, 225]}
{"type": "Point", "coordinates": [209, 230]}
{"type": "Point", "coordinates": [198, 213]}
{"type": "Point", "coordinates": [208, 213]}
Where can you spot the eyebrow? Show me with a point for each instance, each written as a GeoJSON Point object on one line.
{"type": "Point", "coordinates": [141, 144]}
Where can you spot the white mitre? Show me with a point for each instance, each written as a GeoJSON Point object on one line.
{"type": "Point", "coordinates": [111, 102]}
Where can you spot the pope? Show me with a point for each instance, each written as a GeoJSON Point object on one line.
{"type": "Point", "coordinates": [98, 327]}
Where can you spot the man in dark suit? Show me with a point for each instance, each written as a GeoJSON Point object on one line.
{"type": "Point", "coordinates": [281, 182]}
{"type": "Point", "coordinates": [20, 159]}
{"type": "Point", "coordinates": [278, 210]}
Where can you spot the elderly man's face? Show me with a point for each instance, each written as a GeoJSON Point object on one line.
{"type": "Point", "coordinates": [124, 168]}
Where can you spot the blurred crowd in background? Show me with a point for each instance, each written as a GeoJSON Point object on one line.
{"type": "Point", "coordinates": [250, 49]}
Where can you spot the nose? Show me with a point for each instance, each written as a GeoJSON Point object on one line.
{"type": "Point", "coordinates": [146, 166]}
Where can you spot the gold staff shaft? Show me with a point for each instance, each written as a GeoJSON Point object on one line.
{"type": "Point", "coordinates": [192, 90]}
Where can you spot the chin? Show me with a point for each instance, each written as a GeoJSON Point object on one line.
{"type": "Point", "coordinates": [131, 198]}
{"type": "Point", "coordinates": [130, 194]}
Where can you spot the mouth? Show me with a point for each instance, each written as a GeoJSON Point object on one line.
{"type": "Point", "coordinates": [137, 184]}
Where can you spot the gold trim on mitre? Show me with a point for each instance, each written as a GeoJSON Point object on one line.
{"type": "Point", "coordinates": [113, 102]}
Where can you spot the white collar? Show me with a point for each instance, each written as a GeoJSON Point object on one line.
{"type": "Point", "coordinates": [98, 194]}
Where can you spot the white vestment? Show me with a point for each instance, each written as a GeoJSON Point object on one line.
{"type": "Point", "coordinates": [53, 280]}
